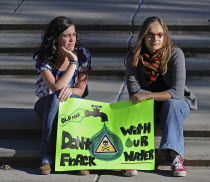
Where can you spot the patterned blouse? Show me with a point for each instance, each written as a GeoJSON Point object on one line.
{"type": "Point", "coordinates": [84, 60]}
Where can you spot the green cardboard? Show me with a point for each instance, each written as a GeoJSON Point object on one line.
{"type": "Point", "coordinates": [96, 135]}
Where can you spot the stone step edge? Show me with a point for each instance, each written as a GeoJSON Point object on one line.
{"type": "Point", "coordinates": [118, 73]}
{"type": "Point", "coordinates": [23, 155]}
{"type": "Point", "coordinates": [35, 134]}
{"type": "Point", "coordinates": [10, 128]}
{"type": "Point", "coordinates": [105, 27]}
{"type": "Point", "coordinates": [18, 61]}
{"type": "Point", "coordinates": [35, 162]}
{"type": "Point", "coordinates": [101, 50]}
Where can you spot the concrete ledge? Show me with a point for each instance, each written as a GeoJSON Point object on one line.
{"type": "Point", "coordinates": [17, 149]}
{"type": "Point", "coordinates": [14, 119]}
{"type": "Point", "coordinates": [26, 122]}
{"type": "Point", "coordinates": [102, 65]}
{"type": "Point", "coordinates": [158, 176]}
{"type": "Point", "coordinates": [100, 42]}
{"type": "Point", "coordinates": [164, 175]}
{"type": "Point", "coordinates": [22, 174]}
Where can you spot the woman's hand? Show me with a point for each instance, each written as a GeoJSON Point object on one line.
{"type": "Point", "coordinates": [69, 54]}
{"type": "Point", "coordinates": [136, 98]}
{"type": "Point", "coordinates": [65, 93]}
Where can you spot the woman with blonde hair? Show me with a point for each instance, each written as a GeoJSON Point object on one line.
{"type": "Point", "coordinates": [155, 69]}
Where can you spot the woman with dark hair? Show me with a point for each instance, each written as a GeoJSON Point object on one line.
{"type": "Point", "coordinates": [155, 69]}
{"type": "Point", "coordinates": [62, 72]}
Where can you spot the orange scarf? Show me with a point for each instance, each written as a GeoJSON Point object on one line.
{"type": "Point", "coordinates": [152, 65]}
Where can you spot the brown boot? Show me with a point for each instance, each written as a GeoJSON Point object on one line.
{"type": "Point", "coordinates": [45, 169]}
{"type": "Point", "coordinates": [83, 172]}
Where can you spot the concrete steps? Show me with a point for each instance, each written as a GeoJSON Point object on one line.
{"type": "Point", "coordinates": [185, 15]}
{"type": "Point", "coordinates": [24, 65]}
{"type": "Point", "coordinates": [21, 27]}
{"type": "Point", "coordinates": [197, 124]}
{"type": "Point", "coordinates": [25, 121]}
{"type": "Point", "coordinates": [20, 129]}
{"type": "Point", "coordinates": [108, 49]}
{"type": "Point", "coordinates": [103, 65]}
{"type": "Point", "coordinates": [101, 42]}
{"type": "Point", "coordinates": [27, 149]}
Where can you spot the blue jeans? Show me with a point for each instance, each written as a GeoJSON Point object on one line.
{"type": "Point", "coordinates": [172, 114]}
{"type": "Point", "coordinates": [47, 109]}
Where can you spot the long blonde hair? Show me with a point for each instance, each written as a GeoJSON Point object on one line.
{"type": "Point", "coordinates": [140, 47]}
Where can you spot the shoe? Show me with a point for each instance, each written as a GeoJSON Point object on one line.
{"type": "Point", "coordinates": [129, 173]}
{"type": "Point", "coordinates": [45, 169]}
{"type": "Point", "coordinates": [83, 172]}
{"type": "Point", "coordinates": [178, 167]}
{"type": "Point", "coordinates": [5, 167]}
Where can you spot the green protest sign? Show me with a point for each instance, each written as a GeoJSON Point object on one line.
{"type": "Point", "coordinates": [97, 135]}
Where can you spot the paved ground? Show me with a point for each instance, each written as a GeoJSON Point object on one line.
{"type": "Point", "coordinates": [30, 175]}
{"type": "Point", "coordinates": [184, 13]}
{"type": "Point", "coordinates": [18, 91]}
{"type": "Point", "coordinates": [95, 12]}
{"type": "Point", "coordinates": [15, 91]}
{"type": "Point", "coordinates": [105, 12]}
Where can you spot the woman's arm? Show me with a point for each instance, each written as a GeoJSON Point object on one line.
{"type": "Point", "coordinates": [177, 73]}
{"type": "Point", "coordinates": [63, 81]}
{"type": "Point", "coordinates": [160, 96]}
{"type": "Point", "coordinates": [79, 89]}
{"type": "Point", "coordinates": [132, 79]}
{"type": "Point", "coordinates": [81, 84]}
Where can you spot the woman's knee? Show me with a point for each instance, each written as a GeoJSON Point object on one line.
{"type": "Point", "coordinates": [176, 106]}
{"type": "Point", "coordinates": [170, 104]}
{"type": "Point", "coordinates": [53, 97]}
{"type": "Point", "coordinates": [75, 96]}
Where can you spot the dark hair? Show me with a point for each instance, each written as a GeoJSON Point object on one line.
{"type": "Point", "coordinates": [49, 46]}
{"type": "Point", "coordinates": [140, 46]}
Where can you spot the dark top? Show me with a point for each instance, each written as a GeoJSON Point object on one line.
{"type": "Point", "coordinates": [174, 79]}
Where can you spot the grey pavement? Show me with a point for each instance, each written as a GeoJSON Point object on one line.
{"type": "Point", "coordinates": [20, 63]}
{"type": "Point", "coordinates": [104, 89]}
{"type": "Point", "coordinates": [160, 176]}
{"type": "Point", "coordinates": [176, 12]}
{"type": "Point", "coordinates": [17, 150]}
{"type": "Point", "coordinates": [105, 12]}
{"type": "Point", "coordinates": [30, 175]}
{"type": "Point", "coordinates": [18, 91]}
{"type": "Point", "coordinates": [30, 39]}
{"type": "Point", "coordinates": [83, 12]}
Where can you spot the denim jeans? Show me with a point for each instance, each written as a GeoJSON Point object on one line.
{"type": "Point", "coordinates": [47, 109]}
{"type": "Point", "coordinates": [172, 114]}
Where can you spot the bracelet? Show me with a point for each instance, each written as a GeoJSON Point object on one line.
{"type": "Point", "coordinates": [74, 62]}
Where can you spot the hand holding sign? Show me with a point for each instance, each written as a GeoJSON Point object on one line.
{"type": "Point", "coordinates": [97, 135]}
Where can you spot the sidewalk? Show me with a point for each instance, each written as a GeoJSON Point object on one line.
{"type": "Point", "coordinates": [30, 175]}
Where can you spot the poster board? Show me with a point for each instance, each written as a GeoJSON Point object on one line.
{"type": "Point", "coordinates": [96, 135]}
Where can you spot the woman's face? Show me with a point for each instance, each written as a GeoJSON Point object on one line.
{"type": "Point", "coordinates": [154, 38]}
{"type": "Point", "coordinates": [67, 38]}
